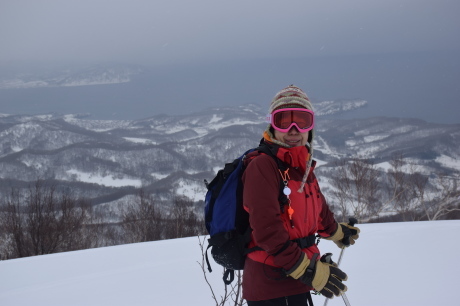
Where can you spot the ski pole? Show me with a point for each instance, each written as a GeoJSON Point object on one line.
{"type": "Point", "coordinates": [345, 299]}
{"type": "Point", "coordinates": [351, 221]}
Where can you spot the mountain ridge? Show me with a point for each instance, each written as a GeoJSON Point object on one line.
{"type": "Point", "coordinates": [170, 156]}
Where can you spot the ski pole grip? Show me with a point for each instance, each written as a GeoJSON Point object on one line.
{"type": "Point", "coordinates": [351, 221]}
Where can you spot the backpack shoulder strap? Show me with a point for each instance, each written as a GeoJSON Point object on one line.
{"type": "Point", "coordinates": [264, 148]}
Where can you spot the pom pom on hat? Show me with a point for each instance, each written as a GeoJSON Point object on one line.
{"type": "Point", "coordinates": [291, 96]}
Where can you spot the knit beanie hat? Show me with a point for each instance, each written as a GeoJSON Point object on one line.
{"type": "Point", "coordinates": [292, 97]}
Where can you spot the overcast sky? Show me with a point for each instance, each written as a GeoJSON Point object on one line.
{"type": "Point", "coordinates": [176, 31]}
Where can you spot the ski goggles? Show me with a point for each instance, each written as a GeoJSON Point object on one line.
{"type": "Point", "coordinates": [284, 119]}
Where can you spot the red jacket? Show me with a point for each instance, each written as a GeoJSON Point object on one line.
{"type": "Point", "coordinates": [263, 277]}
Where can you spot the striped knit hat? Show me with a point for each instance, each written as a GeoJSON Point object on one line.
{"type": "Point", "coordinates": [292, 97]}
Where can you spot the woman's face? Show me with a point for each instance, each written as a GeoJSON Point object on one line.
{"type": "Point", "coordinates": [293, 138]}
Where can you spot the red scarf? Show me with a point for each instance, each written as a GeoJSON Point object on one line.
{"type": "Point", "coordinates": [296, 157]}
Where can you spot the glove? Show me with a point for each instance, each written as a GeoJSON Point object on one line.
{"type": "Point", "coordinates": [324, 275]}
{"type": "Point", "coordinates": [345, 235]}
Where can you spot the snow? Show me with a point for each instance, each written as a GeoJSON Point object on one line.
{"type": "Point", "coordinates": [97, 125]}
{"type": "Point", "coordinates": [385, 166]}
{"type": "Point", "coordinates": [324, 108]}
{"type": "Point", "coordinates": [409, 167]}
{"type": "Point", "coordinates": [139, 140]}
{"type": "Point", "coordinates": [362, 132]}
{"type": "Point", "coordinates": [44, 117]}
{"type": "Point", "coordinates": [236, 121]}
{"type": "Point", "coordinates": [372, 138]}
{"type": "Point", "coordinates": [321, 145]}
{"type": "Point", "coordinates": [402, 129]}
{"type": "Point", "coordinates": [319, 163]}
{"type": "Point", "coordinates": [176, 129]}
{"type": "Point", "coordinates": [351, 143]}
{"type": "Point", "coordinates": [200, 132]}
{"type": "Point", "coordinates": [354, 104]}
{"type": "Point", "coordinates": [448, 162]}
{"type": "Point", "coordinates": [104, 180]}
{"type": "Point", "coordinates": [16, 148]}
{"type": "Point", "coordinates": [194, 190]}
{"type": "Point", "coordinates": [159, 176]}
{"type": "Point", "coordinates": [396, 264]}
{"type": "Point", "coordinates": [215, 119]}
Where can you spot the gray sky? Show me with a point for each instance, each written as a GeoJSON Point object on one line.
{"type": "Point", "coordinates": [177, 31]}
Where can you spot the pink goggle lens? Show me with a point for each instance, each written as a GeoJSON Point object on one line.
{"type": "Point", "coordinates": [284, 119]}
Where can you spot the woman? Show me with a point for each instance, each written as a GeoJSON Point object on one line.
{"type": "Point", "coordinates": [288, 266]}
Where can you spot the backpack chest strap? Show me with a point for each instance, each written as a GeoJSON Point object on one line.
{"type": "Point", "coordinates": [303, 243]}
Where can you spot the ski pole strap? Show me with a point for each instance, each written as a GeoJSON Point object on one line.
{"type": "Point", "coordinates": [311, 268]}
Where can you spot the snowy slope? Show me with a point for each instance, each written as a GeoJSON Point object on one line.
{"type": "Point", "coordinates": [391, 264]}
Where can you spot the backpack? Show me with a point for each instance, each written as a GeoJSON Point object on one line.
{"type": "Point", "coordinates": [227, 222]}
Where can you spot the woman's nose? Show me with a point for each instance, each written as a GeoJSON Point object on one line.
{"type": "Point", "coordinates": [294, 130]}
